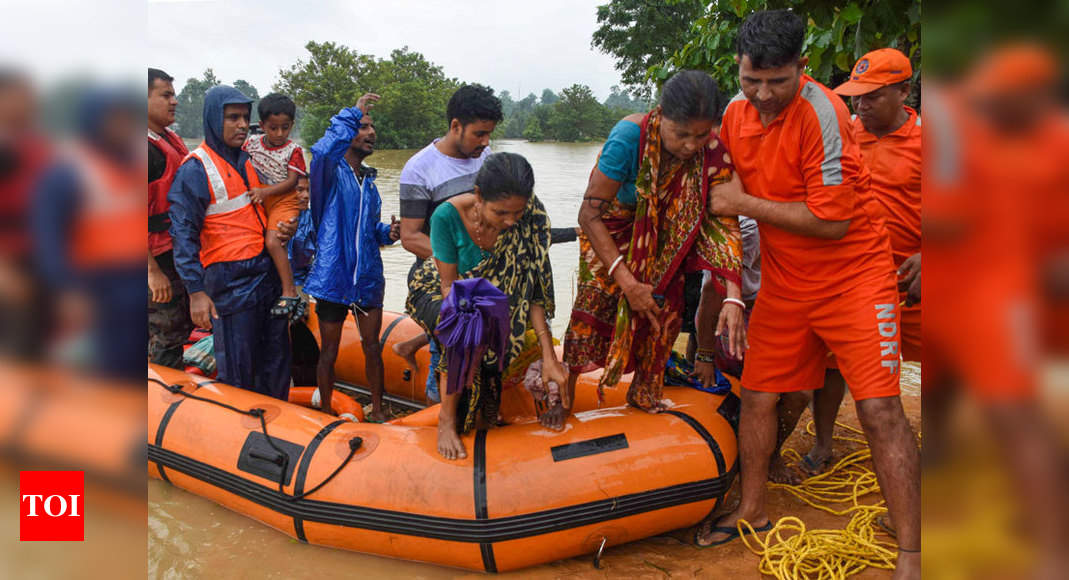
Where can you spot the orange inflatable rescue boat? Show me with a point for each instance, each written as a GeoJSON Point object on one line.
{"type": "Point", "coordinates": [525, 495]}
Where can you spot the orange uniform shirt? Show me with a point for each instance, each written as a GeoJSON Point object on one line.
{"type": "Point", "coordinates": [809, 154]}
{"type": "Point", "coordinates": [894, 162]}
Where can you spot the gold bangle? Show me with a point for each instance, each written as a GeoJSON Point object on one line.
{"type": "Point", "coordinates": [541, 332]}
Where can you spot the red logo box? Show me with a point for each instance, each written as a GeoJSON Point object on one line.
{"type": "Point", "coordinates": [51, 506]}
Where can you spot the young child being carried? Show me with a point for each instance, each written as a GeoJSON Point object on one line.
{"type": "Point", "coordinates": [278, 162]}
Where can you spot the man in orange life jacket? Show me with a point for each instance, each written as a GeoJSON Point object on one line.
{"type": "Point", "coordinates": [168, 304]}
{"type": "Point", "coordinates": [218, 236]}
{"type": "Point", "coordinates": [88, 220]}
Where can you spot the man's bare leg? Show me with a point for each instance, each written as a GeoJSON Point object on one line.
{"type": "Point", "coordinates": [329, 339]}
{"type": "Point", "coordinates": [757, 439]}
{"type": "Point", "coordinates": [370, 323]}
{"type": "Point", "coordinates": [1037, 463]}
{"type": "Point", "coordinates": [826, 404]}
{"type": "Point", "coordinates": [788, 410]}
{"type": "Point", "coordinates": [897, 461]}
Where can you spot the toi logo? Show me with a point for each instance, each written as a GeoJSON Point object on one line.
{"type": "Point", "coordinates": [51, 506]}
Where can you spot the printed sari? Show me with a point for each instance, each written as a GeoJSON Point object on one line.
{"type": "Point", "coordinates": [519, 266]}
{"type": "Point", "coordinates": [666, 234]}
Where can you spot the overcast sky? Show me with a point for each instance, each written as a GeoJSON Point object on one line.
{"type": "Point", "coordinates": [521, 46]}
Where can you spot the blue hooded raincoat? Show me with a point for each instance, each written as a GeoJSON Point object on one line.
{"type": "Point", "coordinates": [346, 213]}
{"type": "Point", "coordinates": [251, 347]}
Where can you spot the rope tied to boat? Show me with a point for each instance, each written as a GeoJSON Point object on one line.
{"type": "Point", "coordinates": [282, 459]}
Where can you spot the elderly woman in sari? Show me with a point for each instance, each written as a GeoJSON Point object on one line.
{"type": "Point", "coordinates": [499, 233]}
{"type": "Point", "coordinates": [645, 223]}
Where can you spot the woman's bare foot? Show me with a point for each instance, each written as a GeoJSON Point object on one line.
{"type": "Point", "coordinates": [653, 409]}
{"type": "Point", "coordinates": [449, 444]}
{"type": "Point", "coordinates": [780, 472]}
{"type": "Point", "coordinates": [554, 418]}
{"type": "Point", "coordinates": [407, 352]}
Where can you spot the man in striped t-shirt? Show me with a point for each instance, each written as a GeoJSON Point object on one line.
{"type": "Point", "coordinates": [441, 170]}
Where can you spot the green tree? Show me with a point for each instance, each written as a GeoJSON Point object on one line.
{"type": "Point", "coordinates": [189, 114]}
{"type": "Point", "coordinates": [414, 92]}
{"type": "Point", "coordinates": [533, 131]}
{"type": "Point", "coordinates": [507, 104]}
{"type": "Point", "coordinates": [641, 34]}
{"type": "Point", "coordinates": [838, 33]}
{"type": "Point", "coordinates": [549, 97]}
{"type": "Point", "coordinates": [619, 99]}
{"type": "Point", "coordinates": [249, 91]}
{"type": "Point", "coordinates": [577, 116]}
{"type": "Point", "coordinates": [324, 84]}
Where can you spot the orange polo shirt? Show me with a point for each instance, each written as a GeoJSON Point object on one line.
{"type": "Point", "coordinates": [809, 154]}
{"type": "Point", "coordinates": [894, 162]}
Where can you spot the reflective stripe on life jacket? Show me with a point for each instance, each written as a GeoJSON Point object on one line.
{"type": "Point", "coordinates": [233, 226]}
{"type": "Point", "coordinates": [174, 150]}
{"type": "Point", "coordinates": [108, 229]}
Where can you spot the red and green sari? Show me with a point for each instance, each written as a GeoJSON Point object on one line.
{"type": "Point", "coordinates": [667, 234]}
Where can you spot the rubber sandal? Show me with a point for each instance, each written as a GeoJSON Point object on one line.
{"type": "Point", "coordinates": [284, 307]}
{"type": "Point", "coordinates": [812, 467]}
{"type": "Point", "coordinates": [881, 522]}
{"type": "Point", "coordinates": [300, 311]}
{"type": "Point", "coordinates": [733, 533]}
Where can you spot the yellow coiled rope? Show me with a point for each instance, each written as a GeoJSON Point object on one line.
{"type": "Point", "coordinates": [790, 551]}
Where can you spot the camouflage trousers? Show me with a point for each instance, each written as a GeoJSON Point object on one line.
{"type": "Point", "coordinates": [169, 323]}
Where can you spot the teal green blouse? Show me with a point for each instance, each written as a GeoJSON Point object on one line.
{"type": "Point", "coordinates": [450, 242]}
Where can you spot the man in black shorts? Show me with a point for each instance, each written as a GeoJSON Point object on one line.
{"type": "Point", "coordinates": [347, 272]}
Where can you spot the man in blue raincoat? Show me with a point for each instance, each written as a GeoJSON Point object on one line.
{"type": "Point", "coordinates": [219, 251]}
{"type": "Point", "coordinates": [347, 272]}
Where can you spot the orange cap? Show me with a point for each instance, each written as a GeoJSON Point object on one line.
{"type": "Point", "coordinates": [876, 69]}
{"type": "Point", "coordinates": [1013, 68]}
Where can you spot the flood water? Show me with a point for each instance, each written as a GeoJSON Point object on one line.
{"type": "Point", "coordinates": [190, 537]}
{"type": "Point", "coordinates": [561, 171]}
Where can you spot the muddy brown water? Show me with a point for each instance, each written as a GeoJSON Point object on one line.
{"type": "Point", "coordinates": [190, 537]}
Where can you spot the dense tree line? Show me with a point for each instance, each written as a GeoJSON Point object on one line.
{"type": "Point", "coordinates": [573, 115]}
{"type": "Point", "coordinates": [414, 93]}
{"type": "Point", "coordinates": [189, 115]}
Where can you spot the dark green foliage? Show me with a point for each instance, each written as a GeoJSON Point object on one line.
{"type": "Point", "coordinates": [838, 33]}
{"type": "Point", "coordinates": [644, 33]}
{"type": "Point", "coordinates": [414, 92]}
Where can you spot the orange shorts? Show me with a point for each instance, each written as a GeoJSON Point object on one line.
{"type": "Point", "coordinates": [985, 339]}
{"type": "Point", "coordinates": [910, 330]}
{"type": "Point", "coordinates": [281, 208]}
{"type": "Point", "coordinates": [790, 341]}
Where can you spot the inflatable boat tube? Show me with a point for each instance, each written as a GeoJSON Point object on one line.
{"type": "Point", "coordinates": [524, 495]}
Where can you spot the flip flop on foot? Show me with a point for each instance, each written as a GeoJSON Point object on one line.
{"type": "Point", "coordinates": [813, 467]}
{"type": "Point", "coordinates": [284, 307]}
{"type": "Point", "coordinates": [732, 532]}
{"type": "Point", "coordinates": [300, 311]}
{"type": "Point", "coordinates": [884, 523]}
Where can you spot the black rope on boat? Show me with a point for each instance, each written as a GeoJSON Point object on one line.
{"type": "Point", "coordinates": [282, 459]}
{"type": "Point", "coordinates": [354, 446]}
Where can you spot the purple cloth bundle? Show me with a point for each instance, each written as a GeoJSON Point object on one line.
{"type": "Point", "coordinates": [474, 318]}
